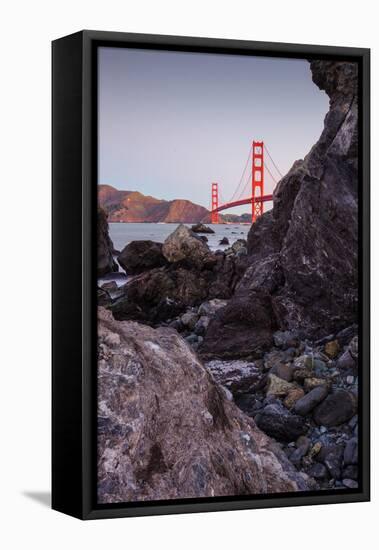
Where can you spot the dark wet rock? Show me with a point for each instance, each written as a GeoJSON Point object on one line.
{"type": "Point", "coordinates": [350, 472]}
{"type": "Point", "coordinates": [201, 228]}
{"type": "Point", "coordinates": [139, 256]}
{"type": "Point", "coordinates": [105, 261]}
{"type": "Point", "coordinates": [337, 408]}
{"type": "Point", "coordinates": [353, 347]}
{"type": "Point", "coordinates": [240, 330]}
{"type": "Point", "coordinates": [224, 240]}
{"type": "Point", "coordinates": [351, 452]}
{"type": "Point", "coordinates": [191, 338]}
{"type": "Point", "coordinates": [296, 457]}
{"type": "Point", "coordinates": [318, 471]}
{"type": "Point", "coordinates": [310, 400]}
{"type": "Point", "coordinates": [176, 324]}
{"type": "Point", "coordinates": [161, 294]}
{"type": "Point", "coordinates": [201, 325]}
{"type": "Point", "coordinates": [332, 457]}
{"type": "Point", "coordinates": [168, 431]}
{"type": "Point", "coordinates": [277, 422]}
{"type": "Point", "coordinates": [347, 334]}
{"type": "Point", "coordinates": [346, 361]}
{"type": "Point", "coordinates": [304, 443]}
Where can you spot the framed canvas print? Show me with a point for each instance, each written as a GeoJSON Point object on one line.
{"type": "Point", "coordinates": [210, 274]}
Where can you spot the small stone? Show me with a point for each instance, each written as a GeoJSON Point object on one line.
{"type": "Point", "coordinates": [211, 307]}
{"type": "Point", "coordinates": [318, 471]}
{"type": "Point", "coordinates": [189, 319]}
{"type": "Point", "coordinates": [332, 457]}
{"type": "Point", "coordinates": [350, 472]}
{"type": "Point", "coordinates": [307, 403]}
{"type": "Point", "coordinates": [283, 371]}
{"type": "Point", "coordinates": [353, 347]}
{"type": "Point", "coordinates": [351, 452]}
{"type": "Point", "coordinates": [191, 338]}
{"type": "Point", "coordinates": [315, 449]}
{"type": "Point", "coordinates": [292, 397]}
{"type": "Point", "coordinates": [350, 483]}
{"type": "Point", "coordinates": [312, 383]}
{"type": "Point", "coordinates": [303, 442]}
{"type": "Point", "coordinates": [296, 456]}
{"type": "Point", "coordinates": [350, 380]}
{"type": "Point", "coordinates": [277, 386]}
{"type": "Point", "coordinates": [304, 361]}
{"type": "Point", "coordinates": [346, 361]}
{"type": "Point", "coordinates": [201, 325]}
{"type": "Point", "coordinates": [332, 348]}
{"type": "Point", "coordinates": [337, 408]}
{"type": "Point", "coordinates": [278, 423]}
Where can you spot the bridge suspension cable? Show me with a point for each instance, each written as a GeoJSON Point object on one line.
{"type": "Point", "coordinates": [242, 178]}
{"type": "Point", "coordinates": [272, 160]}
{"type": "Point", "coordinates": [270, 173]}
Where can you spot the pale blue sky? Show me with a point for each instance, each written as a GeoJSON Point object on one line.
{"type": "Point", "coordinates": [170, 123]}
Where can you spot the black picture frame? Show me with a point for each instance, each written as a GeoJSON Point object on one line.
{"type": "Point", "coordinates": [74, 175]}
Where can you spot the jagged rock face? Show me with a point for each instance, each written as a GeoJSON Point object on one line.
{"type": "Point", "coordinates": [105, 261]}
{"type": "Point", "coordinates": [166, 430]}
{"type": "Point", "coordinates": [303, 271]}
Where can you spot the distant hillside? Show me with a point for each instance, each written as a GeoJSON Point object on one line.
{"type": "Point", "coordinates": [132, 206]}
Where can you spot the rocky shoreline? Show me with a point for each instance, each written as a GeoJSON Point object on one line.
{"type": "Point", "coordinates": [253, 348]}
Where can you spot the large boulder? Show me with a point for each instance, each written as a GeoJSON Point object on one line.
{"type": "Point", "coordinates": [105, 261]}
{"type": "Point", "coordinates": [166, 430]}
{"type": "Point", "coordinates": [184, 246]}
{"type": "Point", "coordinates": [303, 254]}
{"type": "Point", "coordinates": [139, 256]}
{"type": "Point", "coordinates": [161, 294]}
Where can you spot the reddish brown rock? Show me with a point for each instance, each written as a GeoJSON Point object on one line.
{"type": "Point", "coordinates": [166, 429]}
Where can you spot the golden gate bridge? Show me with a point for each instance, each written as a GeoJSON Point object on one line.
{"type": "Point", "coordinates": [252, 179]}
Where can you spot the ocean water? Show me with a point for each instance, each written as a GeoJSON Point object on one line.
{"type": "Point", "coordinates": [123, 233]}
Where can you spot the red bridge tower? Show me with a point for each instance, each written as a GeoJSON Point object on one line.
{"type": "Point", "coordinates": [214, 213]}
{"type": "Point", "coordinates": [257, 178]}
